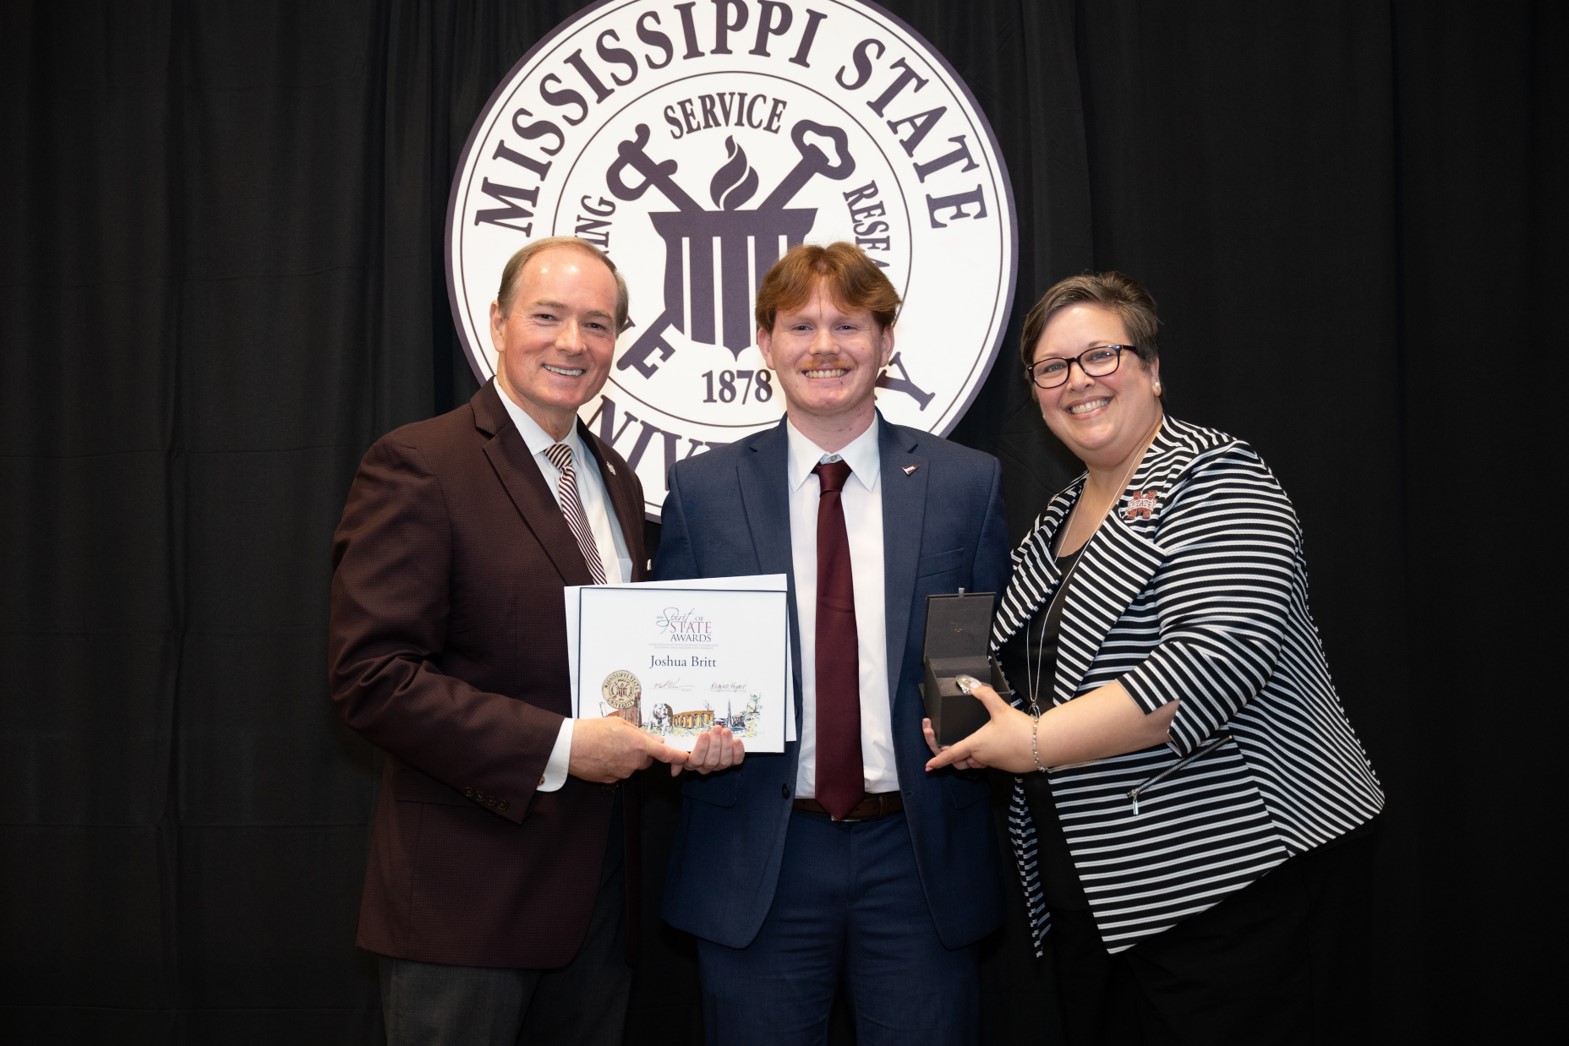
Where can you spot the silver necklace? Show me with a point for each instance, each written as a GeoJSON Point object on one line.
{"type": "Point", "coordinates": [1033, 678]}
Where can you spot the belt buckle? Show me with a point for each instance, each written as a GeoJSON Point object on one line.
{"type": "Point", "coordinates": [878, 803]}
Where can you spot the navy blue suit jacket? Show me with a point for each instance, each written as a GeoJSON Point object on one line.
{"type": "Point", "coordinates": [727, 513]}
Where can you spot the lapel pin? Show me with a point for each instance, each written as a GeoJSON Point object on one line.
{"type": "Point", "coordinates": [1142, 503]}
{"type": "Point", "coordinates": [908, 470]}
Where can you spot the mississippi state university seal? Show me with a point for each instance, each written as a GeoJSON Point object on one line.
{"type": "Point", "coordinates": [621, 689]}
{"type": "Point", "coordinates": [695, 142]}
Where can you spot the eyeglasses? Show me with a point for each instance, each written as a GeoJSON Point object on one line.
{"type": "Point", "coordinates": [1098, 362]}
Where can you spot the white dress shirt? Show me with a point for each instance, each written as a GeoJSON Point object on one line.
{"type": "Point", "coordinates": [863, 518]}
{"type": "Point", "coordinates": [608, 538]}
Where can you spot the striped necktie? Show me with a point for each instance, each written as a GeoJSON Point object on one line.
{"type": "Point", "coordinates": [560, 455]}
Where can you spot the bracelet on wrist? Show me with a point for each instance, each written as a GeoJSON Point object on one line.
{"type": "Point", "coordinates": [1035, 731]}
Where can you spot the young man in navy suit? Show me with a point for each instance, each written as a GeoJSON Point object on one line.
{"type": "Point", "coordinates": [794, 882]}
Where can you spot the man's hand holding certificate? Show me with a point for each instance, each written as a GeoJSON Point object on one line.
{"type": "Point", "coordinates": [698, 664]}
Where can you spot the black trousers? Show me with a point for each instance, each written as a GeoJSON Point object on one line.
{"type": "Point", "coordinates": [1281, 961]}
{"type": "Point", "coordinates": [583, 1003]}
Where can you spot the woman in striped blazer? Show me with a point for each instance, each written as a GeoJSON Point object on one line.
{"type": "Point", "coordinates": [1192, 808]}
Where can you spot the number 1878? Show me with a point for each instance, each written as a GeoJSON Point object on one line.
{"type": "Point", "coordinates": [754, 384]}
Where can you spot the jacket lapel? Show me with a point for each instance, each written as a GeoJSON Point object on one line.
{"type": "Point", "coordinates": [628, 510]}
{"type": "Point", "coordinates": [514, 467]}
{"type": "Point", "coordinates": [903, 479]}
{"type": "Point", "coordinates": [1035, 573]}
{"type": "Point", "coordinates": [1114, 567]}
{"type": "Point", "coordinates": [765, 500]}
{"type": "Point", "coordinates": [765, 513]}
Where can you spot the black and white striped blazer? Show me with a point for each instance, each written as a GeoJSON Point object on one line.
{"type": "Point", "coordinates": [1194, 587]}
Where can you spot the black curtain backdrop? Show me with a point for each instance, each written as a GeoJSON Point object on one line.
{"type": "Point", "coordinates": [221, 267]}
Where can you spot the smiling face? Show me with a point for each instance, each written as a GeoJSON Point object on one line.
{"type": "Point", "coordinates": [1103, 420]}
{"type": "Point", "coordinates": [555, 342]}
{"type": "Point", "coordinates": [828, 359]}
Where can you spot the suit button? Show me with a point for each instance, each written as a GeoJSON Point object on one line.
{"type": "Point", "coordinates": [468, 793]}
{"type": "Point", "coordinates": [784, 791]}
{"type": "Point", "coordinates": [502, 805]}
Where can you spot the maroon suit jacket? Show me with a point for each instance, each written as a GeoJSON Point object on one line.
{"type": "Point", "coordinates": [447, 650]}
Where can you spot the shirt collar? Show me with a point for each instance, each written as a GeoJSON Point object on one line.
{"type": "Point", "coordinates": [535, 438]}
{"type": "Point", "coordinates": [862, 455]}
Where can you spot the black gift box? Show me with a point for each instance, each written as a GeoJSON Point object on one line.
{"type": "Point", "coordinates": [958, 638]}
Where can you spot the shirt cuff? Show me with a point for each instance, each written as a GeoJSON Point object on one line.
{"type": "Point", "coordinates": [560, 759]}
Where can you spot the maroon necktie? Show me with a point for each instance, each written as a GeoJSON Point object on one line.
{"type": "Point", "coordinates": [840, 780]}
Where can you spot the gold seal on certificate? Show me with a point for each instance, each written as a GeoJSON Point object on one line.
{"type": "Point", "coordinates": [621, 689]}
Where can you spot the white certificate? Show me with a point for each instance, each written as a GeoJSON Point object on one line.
{"type": "Point", "coordinates": [677, 658]}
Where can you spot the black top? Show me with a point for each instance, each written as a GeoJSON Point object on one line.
{"type": "Point", "coordinates": [1059, 879]}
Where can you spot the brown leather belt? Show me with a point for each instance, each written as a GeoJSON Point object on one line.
{"type": "Point", "coordinates": [872, 806]}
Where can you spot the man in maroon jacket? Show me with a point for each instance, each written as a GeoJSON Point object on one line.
{"type": "Point", "coordinates": [495, 893]}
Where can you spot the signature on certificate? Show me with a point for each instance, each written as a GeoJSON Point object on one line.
{"type": "Point", "coordinates": [672, 684]}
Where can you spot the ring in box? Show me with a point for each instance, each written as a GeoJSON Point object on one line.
{"type": "Point", "coordinates": [958, 641]}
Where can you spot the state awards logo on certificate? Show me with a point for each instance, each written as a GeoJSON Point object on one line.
{"type": "Point", "coordinates": [675, 659]}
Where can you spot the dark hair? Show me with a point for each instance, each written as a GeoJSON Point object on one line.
{"type": "Point", "coordinates": [1108, 290]}
{"type": "Point", "coordinates": [514, 266]}
{"type": "Point", "coordinates": [853, 279]}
